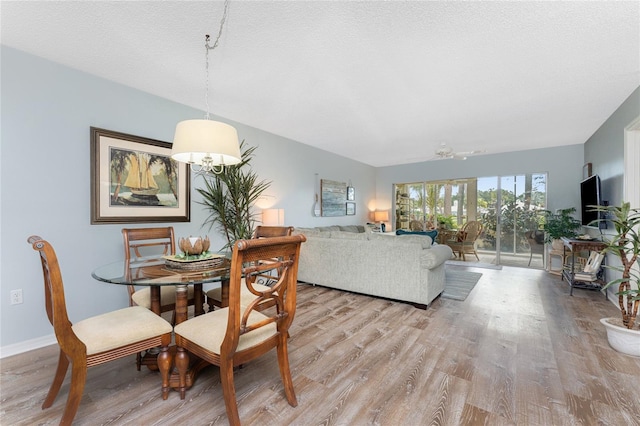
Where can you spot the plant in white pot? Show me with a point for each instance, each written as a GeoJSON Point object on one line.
{"type": "Point", "coordinates": [624, 333]}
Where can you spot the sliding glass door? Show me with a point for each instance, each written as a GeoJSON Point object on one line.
{"type": "Point", "coordinates": [522, 200]}
{"type": "Point", "coordinates": [509, 208]}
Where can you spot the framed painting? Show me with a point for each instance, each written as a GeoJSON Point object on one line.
{"type": "Point", "coordinates": [351, 209]}
{"type": "Point", "coordinates": [135, 180]}
{"type": "Point", "coordinates": [333, 197]}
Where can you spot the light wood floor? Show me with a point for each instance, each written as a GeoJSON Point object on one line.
{"type": "Point", "coordinates": [518, 351]}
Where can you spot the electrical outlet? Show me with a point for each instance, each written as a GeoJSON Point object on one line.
{"type": "Point", "coordinates": [16, 297]}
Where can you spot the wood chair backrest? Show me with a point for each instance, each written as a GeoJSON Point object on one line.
{"type": "Point", "coordinates": [471, 230]}
{"type": "Point", "coordinates": [54, 297]}
{"type": "Point", "coordinates": [137, 241]}
{"type": "Point", "coordinates": [272, 231]}
{"type": "Point", "coordinates": [533, 240]}
{"type": "Point", "coordinates": [416, 225]}
{"type": "Point", "coordinates": [252, 258]}
{"type": "Point", "coordinates": [141, 242]}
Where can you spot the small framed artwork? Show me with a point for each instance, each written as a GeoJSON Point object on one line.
{"type": "Point", "coordinates": [351, 209]}
{"type": "Point", "coordinates": [351, 193]}
{"type": "Point", "coordinates": [135, 180]}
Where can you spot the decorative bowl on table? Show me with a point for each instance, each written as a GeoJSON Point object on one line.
{"type": "Point", "coordinates": [194, 245]}
{"type": "Point", "coordinates": [195, 255]}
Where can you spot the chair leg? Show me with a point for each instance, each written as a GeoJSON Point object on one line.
{"type": "Point", "coordinates": [78, 379]}
{"type": "Point", "coordinates": [181, 361]}
{"type": "Point", "coordinates": [61, 371]}
{"type": "Point", "coordinates": [229, 392]}
{"type": "Point", "coordinates": [285, 371]}
{"type": "Point", "coordinates": [164, 365]}
{"type": "Point", "coordinates": [474, 252]}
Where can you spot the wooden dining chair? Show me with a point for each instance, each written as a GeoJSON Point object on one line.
{"type": "Point", "coordinates": [416, 225]}
{"type": "Point", "coordinates": [237, 334]}
{"type": "Point", "coordinates": [141, 242]}
{"type": "Point", "coordinates": [272, 231]}
{"type": "Point", "coordinates": [465, 240]}
{"type": "Point", "coordinates": [144, 242]}
{"type": "Point", "coordinates": [94, 340]}
{"type": "Point", "coordinates": [535, 239]}
{"type": "Point", "coordinates": [214, 296]}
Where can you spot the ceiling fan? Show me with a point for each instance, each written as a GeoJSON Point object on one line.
{"type": "Point", "coordinates": [446, 152]}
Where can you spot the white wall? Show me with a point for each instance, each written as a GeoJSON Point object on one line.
{"type": "Point", "coordinates": [47, 110]}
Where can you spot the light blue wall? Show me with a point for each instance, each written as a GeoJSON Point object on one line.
{"type": "Point", "coordinates": [562, 164]}
{"type": "Point", "coordinates": [605, 149]}
{"type": "Point", "coordinates": [47, 110]}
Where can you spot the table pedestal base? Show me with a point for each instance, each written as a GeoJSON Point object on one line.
{"type": "Point", "coordinates": [150, 360]}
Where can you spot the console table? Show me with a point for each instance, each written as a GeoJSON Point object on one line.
{"type": "Point", "coordinates": [572, 246]}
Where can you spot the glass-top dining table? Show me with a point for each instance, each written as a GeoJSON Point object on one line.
{"type": "Point", "coordinates": [155, 272]}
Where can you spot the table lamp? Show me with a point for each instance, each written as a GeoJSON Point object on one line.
{"type": "Point", "coordinates": [382, 217]}
{"type": "Point", "coordinates": [273, 217]}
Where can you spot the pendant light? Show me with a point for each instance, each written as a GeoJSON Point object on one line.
{"type": "Point", "coordinates": [205, 144]}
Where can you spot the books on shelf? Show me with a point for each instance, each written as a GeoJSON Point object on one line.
{"type": "Point", "coordinates": [591, 268]}
{"type": "Point", "coordinates": [582, 276]}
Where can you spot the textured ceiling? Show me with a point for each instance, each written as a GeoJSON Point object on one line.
{"type": "Point", "coordinates": [381, 82]}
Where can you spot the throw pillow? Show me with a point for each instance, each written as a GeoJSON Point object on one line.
{"type": "Point", "coordinates": [433, 233]}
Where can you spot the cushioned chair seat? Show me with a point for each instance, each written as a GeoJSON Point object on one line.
{"type": "Point", "coordinates": [246, 296]}
{"type": "Point", "coordinates": [142, 297]}
{"type": "Point", "coordinates": [208, 331]}
{"type": "Point", "coordinates": [119, 328]}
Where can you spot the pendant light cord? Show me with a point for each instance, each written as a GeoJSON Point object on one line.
{"type": "Point", "coordinates": [209, 47]}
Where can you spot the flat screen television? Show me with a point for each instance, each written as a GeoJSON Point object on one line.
{"type": "Point", "coordinates": [590, 195]}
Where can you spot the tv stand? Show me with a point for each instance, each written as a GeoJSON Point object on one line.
{"type": "Point", "coordinates": [573, 246]}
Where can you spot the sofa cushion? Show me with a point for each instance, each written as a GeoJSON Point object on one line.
{"type": "Point", "coordinates": [348, 235]}
{"type": "Point", "coordinates": [392, 239]}
{"type": "Point", "coordinates": [306, 231]}
{"type": "Point", "coordinates": [438, 254]}
{"type": "Point", "coordinates": [352, 228]}
{"type": "Point", "coordinates": [328, 228]}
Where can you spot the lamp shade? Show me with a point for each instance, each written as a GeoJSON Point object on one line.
{"type": "Point", "coordinates": [381, 216]}
{"type": "Point", "coordinates": [273, 217]}
{"type": "Point", "coordinates": [195, 140]}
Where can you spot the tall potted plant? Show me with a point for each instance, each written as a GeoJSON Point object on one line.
{"type": "Point", "coordinates": [624, 335]}
{"type": "Point", "coordinates": [560, 224]}
{"type": "Point", "coordinates": [230, 197]}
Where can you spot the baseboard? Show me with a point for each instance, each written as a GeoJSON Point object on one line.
{"type": "Point", "coordinates": [27, 345]}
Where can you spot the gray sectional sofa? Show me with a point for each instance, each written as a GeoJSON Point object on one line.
{"type": "Point", "coordinates": [407, 268]}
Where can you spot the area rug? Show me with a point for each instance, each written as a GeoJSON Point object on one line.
{"type": "Point", "coordinates": [458, 284]}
